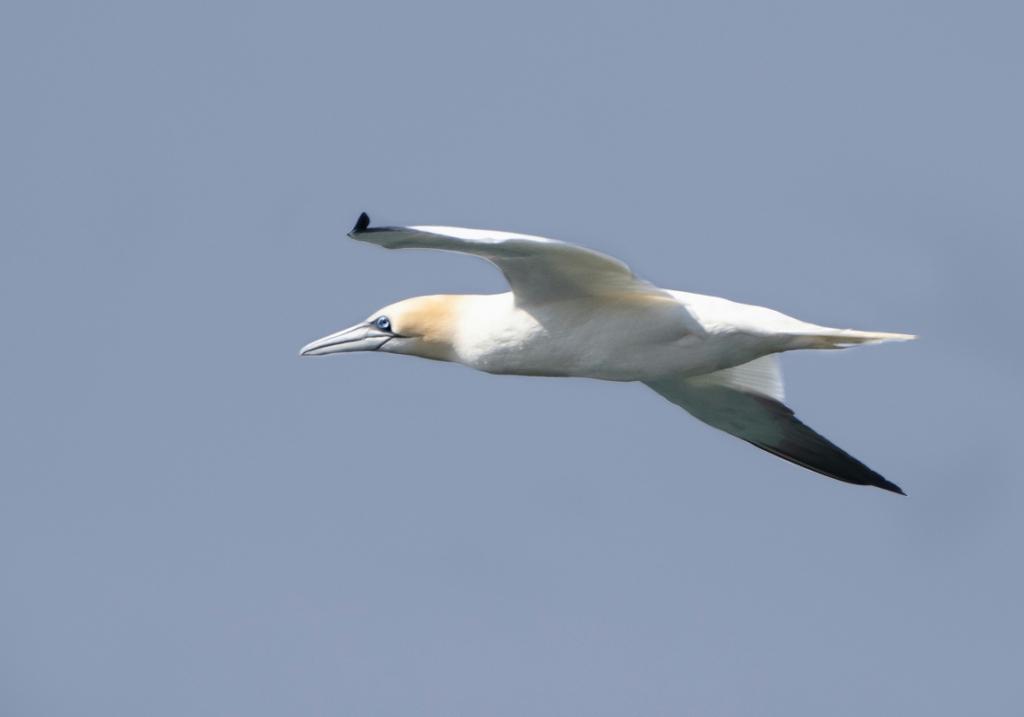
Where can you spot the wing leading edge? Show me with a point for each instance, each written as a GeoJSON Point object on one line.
{"type": "Point", "coordinates": [537, 269]}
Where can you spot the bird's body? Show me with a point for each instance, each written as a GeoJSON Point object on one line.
{"type": "Point", "coordinates": [575, 312]}
{"type": "Point", "coordinates": [633, 338]}
{"type": "Point", "coordinates": [628, 338]}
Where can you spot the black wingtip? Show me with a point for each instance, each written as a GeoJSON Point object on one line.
{"type": "Point", "coordinates": [362, 224]}
{"type": "Point", "coordinates": [886, 485]}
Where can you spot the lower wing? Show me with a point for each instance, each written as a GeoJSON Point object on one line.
{"type": "Point", "coordinates": [744, 401]}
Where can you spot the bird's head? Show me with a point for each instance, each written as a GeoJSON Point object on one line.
{"type": "Point", "coordinates": [423, 326]}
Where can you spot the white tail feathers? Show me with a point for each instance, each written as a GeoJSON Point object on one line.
{"type": "Point", "coordinates": [845, 338]}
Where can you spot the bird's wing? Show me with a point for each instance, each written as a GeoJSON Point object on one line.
{"type": "Point", "coordinates": [746, 402]}
{"type": "Point", "coordinates": [538, 270]}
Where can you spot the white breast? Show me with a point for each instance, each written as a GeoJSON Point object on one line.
{"type": "Point", "coordinates": [634, 339]}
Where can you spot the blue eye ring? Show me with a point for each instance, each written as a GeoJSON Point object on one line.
{"type": "Point", "coordinates": [383, 323]}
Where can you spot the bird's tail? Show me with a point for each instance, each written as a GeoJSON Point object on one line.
{"type": "Point", "coordinates": [845, 338]}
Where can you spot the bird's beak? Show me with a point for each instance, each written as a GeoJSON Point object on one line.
{"type": "Point", "coordinates": [362, 337]}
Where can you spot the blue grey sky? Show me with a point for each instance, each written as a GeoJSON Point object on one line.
{"type": "Point", "coordinates": [196, 521]}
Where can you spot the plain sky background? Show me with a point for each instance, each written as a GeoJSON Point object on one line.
{"type": "Point", "coordinates": [196, 521]}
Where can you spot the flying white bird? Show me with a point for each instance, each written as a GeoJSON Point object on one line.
{"type": "Point", "coordinates": [573, 311]}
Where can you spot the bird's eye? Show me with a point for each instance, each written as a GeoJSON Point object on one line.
{"type": "Point", "coordinates": [383, 323]}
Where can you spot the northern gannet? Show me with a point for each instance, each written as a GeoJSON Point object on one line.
{"type": "Point", "coordinates": [573, 311]}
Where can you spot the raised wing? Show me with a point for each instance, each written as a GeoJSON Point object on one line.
{"type": "Point", "coordinates": [538, 270]}
{"type": "Point", "coordinates": [744, 401]}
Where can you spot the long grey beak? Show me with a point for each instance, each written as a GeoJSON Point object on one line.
{"type": "Point", "coordinates": [363, 337]}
